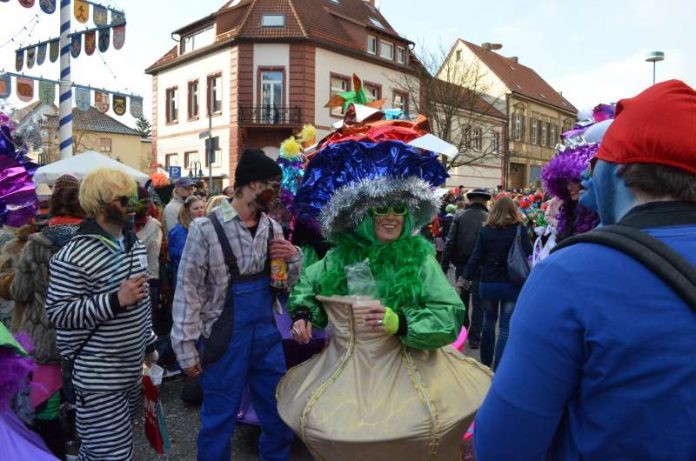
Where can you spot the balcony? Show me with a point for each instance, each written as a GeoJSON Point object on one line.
{"type": "Point", "coordinates": [270, 116]}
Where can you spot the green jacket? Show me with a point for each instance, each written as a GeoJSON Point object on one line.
{"type": "Point", "coordinates": [434, 322]}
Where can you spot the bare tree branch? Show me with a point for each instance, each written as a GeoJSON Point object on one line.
{"type": "Point", "coordinates": [458, 103]}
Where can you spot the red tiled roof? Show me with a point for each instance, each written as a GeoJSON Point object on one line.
{"type": "Point", "coordinates": [344, 23]}
{"type": "Point", "coordinates": [520, 79]}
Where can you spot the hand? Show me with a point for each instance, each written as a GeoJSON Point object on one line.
{"type": "Point", "coordinates": [282, 249]}
{"type": "Point", "coordinates": [374, 318]}
{"type": "Point", "coordinates": [194, 371]}
{"type": "Point", "coordinates": [151, 358]}
{"type": "Point", "coordinates": [132, 290]}
{"type": "Point", "coordinates": [302, 331]}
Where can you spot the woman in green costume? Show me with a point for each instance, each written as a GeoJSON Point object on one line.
{"type": "Point", "coordinates": [384, 387]}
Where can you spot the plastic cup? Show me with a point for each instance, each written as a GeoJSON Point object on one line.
{"type": "Point", "coordinates": [155, 372]}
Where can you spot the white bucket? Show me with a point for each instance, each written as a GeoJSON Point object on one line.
{"type": "Point", "coordinates": [155, 372]}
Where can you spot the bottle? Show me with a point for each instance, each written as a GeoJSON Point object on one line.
{"type": "Point", "coordinates": [279, 273]}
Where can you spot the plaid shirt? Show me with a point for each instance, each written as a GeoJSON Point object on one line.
{"type": "Point", "coordinates": [203, 279]}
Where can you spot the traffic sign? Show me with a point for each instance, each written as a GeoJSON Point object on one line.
{"type": "Point", "coordinates": [174, 172]}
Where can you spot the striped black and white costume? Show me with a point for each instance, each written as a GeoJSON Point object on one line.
{"type": "Point", "coordinates": [85, 276]}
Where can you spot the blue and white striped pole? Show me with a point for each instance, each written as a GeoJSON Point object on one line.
{"type": "Point", "coordinates": [66, 102]}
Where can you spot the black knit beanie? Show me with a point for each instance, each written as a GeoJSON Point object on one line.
{"type": "Point", "coordinates": [254, 165]}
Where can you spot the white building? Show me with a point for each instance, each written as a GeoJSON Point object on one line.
{"type": "Point", "coordinates": [258, 70]}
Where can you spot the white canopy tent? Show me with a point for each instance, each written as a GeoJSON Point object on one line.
{"type": "Point", "coordinates": [80, 164]}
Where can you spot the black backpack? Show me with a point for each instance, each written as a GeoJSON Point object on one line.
{"type": "Point", "coordinates": [664, 262]}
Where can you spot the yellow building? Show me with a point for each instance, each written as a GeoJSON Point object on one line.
{"type": "Point", "coordinates": [537, 114]}
{"type": "Point", "coordinates": [92, 130]}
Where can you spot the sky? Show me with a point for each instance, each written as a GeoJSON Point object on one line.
{"type": "Point", "coordinates": [592, 51]}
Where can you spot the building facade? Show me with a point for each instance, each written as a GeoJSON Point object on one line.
{"type": "Point", "coordinates": [255, 71]}
{"type": "Point", "coordinates": [536, 113]}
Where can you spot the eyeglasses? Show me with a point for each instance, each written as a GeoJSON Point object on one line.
{"type": "Point", "coordinates": [590, 168]}
{"type": "Point", "coordinates": [398, 210]}
{"type": "Point", "coordinates": [124, 201]}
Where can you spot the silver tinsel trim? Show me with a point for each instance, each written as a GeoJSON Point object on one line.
{"type": "Point", "coordinates": [350, 204]}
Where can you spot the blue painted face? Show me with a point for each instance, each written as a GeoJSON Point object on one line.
{"type": "Point", "coordinates": [613, 199]}
{"type": "Point", "coordinates": [588, 198]}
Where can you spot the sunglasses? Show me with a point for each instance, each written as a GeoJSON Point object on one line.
{"type": "Point", "coordinates": [124, 201]}
{"type": "Point", "coordinates": [590, 169]}
{"type": "Point", "coordinates": [398, 210]}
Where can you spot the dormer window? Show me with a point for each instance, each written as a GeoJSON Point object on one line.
{"type": "Point", "coordinates": [376, 22]}
{"type": "Point", "coordinates": [386, 50]}
{"type": "Point", "coordinates": [372, 44]}
{"type": "Point", "coordinates": [273, 20]}
{"type": "Point", "coordinates": [197, 40]}
{"type": "Point", "coordinates": [401, 55]}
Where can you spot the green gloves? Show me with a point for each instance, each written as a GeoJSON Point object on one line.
{"type": "Point", "coordinates": [390, 322]}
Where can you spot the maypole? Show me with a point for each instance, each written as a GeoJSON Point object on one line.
{"type": "Point", "coordinates": [66, 99]}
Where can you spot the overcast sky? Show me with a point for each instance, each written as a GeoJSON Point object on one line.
{"type": "Point", "coordinates": [592, 51]}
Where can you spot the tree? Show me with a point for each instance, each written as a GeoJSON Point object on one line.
{"type": "Point", "coordinates": [143, 126]}
{"type": "Point", "coordinates": [458, 102]}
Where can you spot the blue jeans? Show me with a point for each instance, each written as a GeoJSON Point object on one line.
{"type": "Point", "coordinates": [490, 317]}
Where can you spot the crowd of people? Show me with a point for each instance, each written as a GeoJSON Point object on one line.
{"type": "Point", "coordinates": [564, 289]}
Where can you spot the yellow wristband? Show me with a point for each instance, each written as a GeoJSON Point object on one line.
{"type": "Point", "coordinates": [390, 322]}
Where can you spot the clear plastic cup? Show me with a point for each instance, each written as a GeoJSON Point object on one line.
{"type": "Point", "coordinates": [155, 372]}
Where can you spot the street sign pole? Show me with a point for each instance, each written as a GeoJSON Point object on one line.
{"type": "Point", "coordinates": [209, 152]}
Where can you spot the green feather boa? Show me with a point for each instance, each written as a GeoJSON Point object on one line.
{"type": "Point", "coordinates": [396, 266]}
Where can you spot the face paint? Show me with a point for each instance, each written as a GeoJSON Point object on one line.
{"type": "Point", "coordinates": [613, 198]}
{"type": "Point", "coordinates": [587, 194]}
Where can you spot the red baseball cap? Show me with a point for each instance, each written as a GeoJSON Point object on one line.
{"type": "Point", "coordinates": [657, 126]}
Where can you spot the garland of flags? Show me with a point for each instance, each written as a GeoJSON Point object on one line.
{"type": "Point", "coordinates": [103, 99]}
{"type": "Point", "coordinates": [80, 10]}
{"type": "Point", "coordinates": [36, 53]}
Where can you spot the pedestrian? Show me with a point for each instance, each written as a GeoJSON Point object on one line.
{"type": "Point", "coordinates": [229, 192]}
{"type": "Point", "coordinates": [600, 362]}
{"type": "Point", "coordinates": [216, 201]}
{"type": "Point", "coordinates": [459, 246]}
{"type": "Point", "coordinates": [183, 188]}
{"type": "Point", "coordinates": [497, 291]}
{"type": "Point", "coordinates": [29, 289]}
{"type": "Point", "coordinates": [227, 303]}
{"type": "Point", "coordinates": [98, 301]}
{"type": "Point", "coordinates": [193, 208]}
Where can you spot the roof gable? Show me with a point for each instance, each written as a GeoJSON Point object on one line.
{"type": "Point", "coordinates": [520, 79]}
{"type": "Point", "coordinates": [89, 120]}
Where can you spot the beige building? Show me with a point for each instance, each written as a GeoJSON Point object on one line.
{"type": "Point", "coordinates": [256, 71]}
{"type": "Point", "coordinates": [92, 130]}
{"type": "Point", "coordinates": [536, 113]}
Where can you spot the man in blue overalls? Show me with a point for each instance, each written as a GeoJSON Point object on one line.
{"type": "Point", "coordinates": [223, 296]}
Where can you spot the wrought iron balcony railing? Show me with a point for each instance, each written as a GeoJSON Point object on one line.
{"type": "Point", "coordinates": [270, 115]}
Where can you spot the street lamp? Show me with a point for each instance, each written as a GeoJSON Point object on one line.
{"type": "Point", "coordinates": [654, 57]}
{"type": "Point", "coordinates": [192, 170]}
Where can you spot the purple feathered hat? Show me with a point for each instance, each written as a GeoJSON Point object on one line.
{"type": "Point", "coordinates": [568, 165]}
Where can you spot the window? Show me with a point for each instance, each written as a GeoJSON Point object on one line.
{"type": "Point", "coordinates": [105, 145]}
{"type": "Point", "coordinates": [214, 94]}
{"type": "Point", "coordinates": [339, 84]}
{"type": "Point", "coordinates": [477, 141]}
{"type": "Point", "coordinates": [401, 102]}
{"type": "Point", "coordinates": [376, 22]}
{"type": "Point", "coordinates": [193, 100]}
{"type": "Point", "coordinates": [172, 105]}
{"type": "Point", "coordinates": [273, 20]}
{"type": "Point", "coordinates": [374, 91]}
{"type": "Point", "coordinates": [190, 158]}
{"type": "Point", "coordinates": [198, 40]}
{"type": "Point", "coordinates": [458, 55]}
{"type": "Point", "coordinates": [517, 131]}
{"type": "Point", "coordinates": [371, 44]}
{"type": "Point", "coordinates": [553, 135]}
{"type": "Point", "coordinates": [495, 142]}
{"type": "Point", "coordinates": [271, 85]}
{"type": "Point", "coordinates": [386, 50]}
{"type": "Point", "coordinates": [535, 132]}
{"type": "Point", "coordinates": [171, 160]}
{"type": "Point", "coordinates": [544, 134]}
{"type": "Point", "coordinates": [401, 55]}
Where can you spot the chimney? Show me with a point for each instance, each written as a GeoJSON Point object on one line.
{"type": "Point", "coordinates": [514, 59]}
{"type": "Point", "coordinates": [491, 46]}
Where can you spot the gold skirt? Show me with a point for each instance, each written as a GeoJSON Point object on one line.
{"type": "Point", "coordinates": [367, 397]}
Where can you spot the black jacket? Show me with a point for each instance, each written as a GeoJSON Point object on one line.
{"type": "Point", "coordinates": [462, 235]}
{"type": "Point", "coordinates": [491, 253]}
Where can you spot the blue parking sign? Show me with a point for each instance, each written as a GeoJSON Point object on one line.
{"type": "Point", "coordinates": [174, 172]}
